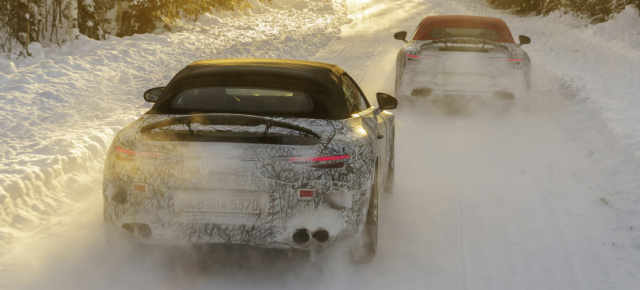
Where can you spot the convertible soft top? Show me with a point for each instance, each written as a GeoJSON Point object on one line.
{"type": "Point", "coordinates": [281, 66]}
{"type": "Point", "coordinates": [462, 21]}
{"type": "Point", "coordinates": [321, 81]}
{"type": "Point", "coordinates": [235, 69]}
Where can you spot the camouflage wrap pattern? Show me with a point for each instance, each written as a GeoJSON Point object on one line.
{"type": "Point", "coordinates": [434, 64]}
{"type": "Point", "coordinates": [169, 185]}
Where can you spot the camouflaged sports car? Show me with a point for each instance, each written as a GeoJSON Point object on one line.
{"type": "Point", "coordinates": [464, 56]}
{"type": "Point", "coordinates": [269, 153]}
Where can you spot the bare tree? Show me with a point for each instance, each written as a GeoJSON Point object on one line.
{"type": "Point", "coordinates": [72, 19]}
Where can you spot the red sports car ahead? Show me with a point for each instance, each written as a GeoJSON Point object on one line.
{"type": "Point", "coordinates": [460, 55]}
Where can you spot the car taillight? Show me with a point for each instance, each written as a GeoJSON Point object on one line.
{"type": "Point", "coordinates": [127, 155]}
{"type": "Point", "coordinates": [514, 62]}
{"type": "Point", "coordinates": [321, 162]}
{"type": "Point", "coordinates": [412, 57]}
{"type": "Point", "coordinates": [319, 159]}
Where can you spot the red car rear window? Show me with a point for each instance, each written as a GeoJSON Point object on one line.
{"type": "Point", "coordinates": [437, 27]}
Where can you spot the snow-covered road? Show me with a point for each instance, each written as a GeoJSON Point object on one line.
{"type": "Point", "coordinates": [543, 196]}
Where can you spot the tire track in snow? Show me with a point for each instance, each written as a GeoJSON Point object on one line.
{"type": "Point", "coordinates": [460, 238]}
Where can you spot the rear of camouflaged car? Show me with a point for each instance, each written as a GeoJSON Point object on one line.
{"type": "Point", "coordinates": [261, 153]}
{"type": "Point", "coordinates": [459, 54]}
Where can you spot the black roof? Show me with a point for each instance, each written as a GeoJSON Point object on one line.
{"type": "Point", "coordinates": [321, 79]}
{"type": "Point", "coordinates": [280, 65]}
{"type": "Point", "coordinates": [323, 72]}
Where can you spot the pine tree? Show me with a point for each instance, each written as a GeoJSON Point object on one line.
{"type": "Point", "coordinates": [596, 10]}
{"type": "Point", "coordinates": [24, 27]}
{"type": "Point", "coordinates": [87, 19]}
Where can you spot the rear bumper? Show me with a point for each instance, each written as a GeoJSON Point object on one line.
{"type": "Point", "coordinates": [444, 93]}
{"type": "Point", "coordinates": [285, 221]}
{"type": "Point", "coordinates": [420, 83]}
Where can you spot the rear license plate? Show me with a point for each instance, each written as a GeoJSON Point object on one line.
{"type": "Point", "coordinates": [464, 79]}
{"type": "Point", "coordinates": [220, 201]}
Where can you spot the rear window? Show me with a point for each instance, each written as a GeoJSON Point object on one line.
{"type": "Point", "coordinates": [447, 26]}
{"type": "Point", "coordinates": [296, 94]}
{"type": "Point", "coordinates": [448, 32]}
{"type": "Point", "coordinates": [243, 100]}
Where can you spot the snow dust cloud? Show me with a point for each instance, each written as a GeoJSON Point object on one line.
{"type": "Point", "coordinates": [467, 185]}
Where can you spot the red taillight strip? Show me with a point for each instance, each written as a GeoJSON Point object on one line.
{"type": "Point", "coordinates": [413, 56]}
{"type": "Point", "coordinates": [150, 154]}
{"type": "Point", "coordinates": [319, 159]}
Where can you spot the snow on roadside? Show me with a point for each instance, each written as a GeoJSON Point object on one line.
{"type": "Point", "coordinates": [61, 107]}
{"type": "Point", "coordinates": [600, 66]}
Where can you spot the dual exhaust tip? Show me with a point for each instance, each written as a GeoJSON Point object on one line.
{"type": "Point", "coordinates": [303, 236]}
{"type": "Point", "coordinates": [141, 230]}
{"type": "Point", "coordinates": [426, 92]}
{"type": "Point", "coordinates": [300, 236]}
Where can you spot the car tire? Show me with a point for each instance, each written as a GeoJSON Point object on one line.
{"type": "Point", "coordinates": [399, 80]}
{"type": "Point", "coordinates": [365, 246]}
{"type": "Point", "coordinates": [390, 185]}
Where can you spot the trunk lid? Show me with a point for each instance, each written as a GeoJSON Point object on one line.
{"type": "Point", "coordinates": [222, 151]}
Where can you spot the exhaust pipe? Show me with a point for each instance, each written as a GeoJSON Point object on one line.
{"type": "Point", "coordinates": [129, 228]}
{"type": "Point", "coordinates": [504, 95]}
{"type": "Point", "coordinates": [321, 235]}
{"type": "Point", "coordinates": [144, 231]}
{"type": "Point", "coordinates": [422, 92]}
{"type": "Point", "coordinates": [301, 236]}
{"type": "Point", "coordinates": [141, 230]}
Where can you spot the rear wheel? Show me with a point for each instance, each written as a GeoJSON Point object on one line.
{"type": "Point", "coordinates": [527, 79]}
{"type": "Point", "coordinates": [389, 186]}
{"type": "Point", "coordinates": [366, 243]}
{"type": "Point", "coordinates": [400, 81]}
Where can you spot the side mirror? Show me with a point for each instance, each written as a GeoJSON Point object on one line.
{"type": "Point", "coordinates": [524, 39]}
{"type": "Point", "coordinates": [152, 95]}
{"type": "Point", "coordinates": [402, 35]}
{"type": "Point", "coordinates": [386, 101]}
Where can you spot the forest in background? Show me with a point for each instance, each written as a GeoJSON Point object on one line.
{"type": "Point", "coordinates": [53, 22]}
{"type": "Point", "coordinates": [596, 10]}
{"type": "Point", "coordinates": [48, 22]}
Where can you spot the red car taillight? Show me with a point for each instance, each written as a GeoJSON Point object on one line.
{"type": "Point", "coordinates": [321, 162]}
{"type": "Point", "coordinates": [412, 57]}
{"type": "Point", "coordinates": [513, 62]}
{"type": "Point", "coordinates": [127, 155]}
